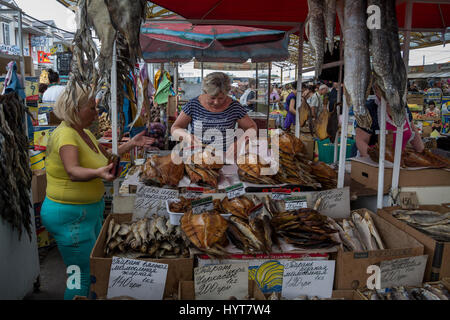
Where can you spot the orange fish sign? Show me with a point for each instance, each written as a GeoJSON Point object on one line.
{"type": "Point", "coordinates": [44, 57]}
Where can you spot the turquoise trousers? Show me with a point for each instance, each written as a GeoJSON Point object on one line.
{"type": "Point", "coordinates": [75, 228]}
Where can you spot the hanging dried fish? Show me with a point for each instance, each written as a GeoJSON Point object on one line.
{"type": "Point", "coordinates": [15, 172]}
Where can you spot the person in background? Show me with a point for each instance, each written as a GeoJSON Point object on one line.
{"type": "Point", "coordinates": [41, 89]}
{"type": "Point", "coordinates": [54, 88]}
{"type": "Point", "coordinates": [248, 98]}
{"type": "Point", "coordinates": [366, 138]}
{"type": "Point", "coordinates": [333, 96]}
{"type": "Point", "coordinates": [432, 109]}
{"type": "Point", "coordinates": [274, 98]}
{"type": "Point", "coordinates": [413, 88]}
{"type": "Point", "coordinates": [76, 165]}
{"type": "Point", "coordinates": [285, 93]}
{"type": "Point", "coordinates": [291, 107]}
{"type": "Point", "coordinates": [316, 100]}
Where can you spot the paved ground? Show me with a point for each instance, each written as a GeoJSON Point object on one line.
{"type": "Point", "coordinates": [52, 276]}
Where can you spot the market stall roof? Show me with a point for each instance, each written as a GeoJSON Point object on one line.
{"type": "Point", "coordinates": [287, 14]}
{"type": "Point", "coordinates": [180, 42]}
{"type": "Point", "coordinates": [425, 75]}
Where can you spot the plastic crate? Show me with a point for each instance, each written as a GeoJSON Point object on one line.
{"type": "Point", "coordinates": [326, 150]}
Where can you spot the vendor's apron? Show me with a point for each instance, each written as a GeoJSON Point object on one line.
{"type": "Point", "coordinates": [408, 133]}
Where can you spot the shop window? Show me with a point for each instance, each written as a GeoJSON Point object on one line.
{"type": "Point", "coordinates": [6, 34]}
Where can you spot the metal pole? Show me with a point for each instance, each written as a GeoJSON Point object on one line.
{"type": "Point", "coordinates": [22, 64]}
{"type": "Point", "coordinates": [268, 93]}
{"type": "Point", "coordinates": [202, 69]}
{"type": "Point", "coordinates": [339, 97]}
{"type": "Point", "coordinates": [281, 78]}
{"type": "Point", "coordinates": [336, 140]}
{"type": "Point", "coordinates": [382, 153]}
{"type": "Point", "coordinates": [408, 22]}
{"type": "Point", "coordinates": [397, 158]}
{"type": "Point", "coordinates": [114, 128]}
{"type": "Point", "coordinates": [299, 77]}
{"type": "Point", "coordinates": [342, 153]}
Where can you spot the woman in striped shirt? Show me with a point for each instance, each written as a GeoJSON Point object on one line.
{"type": "Point", "coordinates": [211, 118]}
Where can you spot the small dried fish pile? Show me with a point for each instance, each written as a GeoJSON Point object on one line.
{"type": "Point", "coordinates": [359, 233]}
{"type": "Point", "coordinates": [325, 175]}
{"type": "Point", "coordinates": [154, 238]}
{"type": "Point", "coordinates": [203, 169]}
{"type": "Point", "coordinates": [277, 296]}
{"type": "Point", "coordinates": [206, 231]}
{"type": "Point", "coordinates": [303, 228]}
{"type": "Point", "coordinates": [250, 228]}
{"type": "Point", "coordinates": [434, 224]}
{"type": "Point", "coordinates": [250, 169]}
{"type": "Point", "coordinates": [435, 291]}
{"type": "Point", "coordinates": [160, 171]}
{"type": "Point", "coordinates": [15, 172]}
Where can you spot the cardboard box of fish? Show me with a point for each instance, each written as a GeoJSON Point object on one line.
{"type": "Point", "coordinates": [428, 291]}
{"type": "Point", "coordinates": [367, 239]}
{"type": "Point", "coordinates": [430, 225]}
{"type": "Point", "coordinates": [153, 239]}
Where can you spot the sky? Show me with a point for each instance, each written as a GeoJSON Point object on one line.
{"type": "Point", "coordinates": [49, 10]}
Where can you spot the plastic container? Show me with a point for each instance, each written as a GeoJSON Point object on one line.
{"type": "Point", "coordinates": [326, 150]}
{"type": "Point", "coordinates": [175, 217]}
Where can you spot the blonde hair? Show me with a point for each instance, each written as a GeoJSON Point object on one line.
{"type": "Point", "coordinates": [70, 101]}
{"type": "Point", "coordinates": [215, 83]}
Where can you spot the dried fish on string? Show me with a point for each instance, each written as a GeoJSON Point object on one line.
{"type": "Point", "coordinates": [315, 31]}
{"type": "Point", "coordinates": [15, 172]}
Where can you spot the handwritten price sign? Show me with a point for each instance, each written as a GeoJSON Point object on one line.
{"type": "Point", "coordinates": [310, 278]}
{"type": "Point", "coordinates": [138, 279]}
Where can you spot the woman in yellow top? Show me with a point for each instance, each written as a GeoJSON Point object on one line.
{"type": "Point", "coordinates": [76, 164]}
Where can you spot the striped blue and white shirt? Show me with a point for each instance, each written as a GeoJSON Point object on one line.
{"type": "Point", "coordinates": [211, 127]}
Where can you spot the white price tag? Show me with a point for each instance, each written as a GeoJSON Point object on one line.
{"type": "Point", "coordinates": [202, 205]}
{"type": "Point", "coordinates": [295, 203]}
{"type": "Point", "coordinates": [235, 191]}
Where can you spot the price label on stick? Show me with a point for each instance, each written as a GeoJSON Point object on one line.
{"type": "Point", "coordinates": [202, 205]}
{"type": "Point", "coordinates": [235, 191]}
{"type": "Point", "coordinates": [138, 279]}
{"type": "Point", "coordinates": [280, 194]}
{"type": "Point", "coordinates": [295, 203]}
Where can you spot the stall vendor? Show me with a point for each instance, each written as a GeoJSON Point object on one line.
{"type": "Point", "coordinates": [366, 138]}
{"type": "Point", "coordinates": [212, 110]}
{"type": "Point", "coordinates": [75, 165]}
{"type": "Point", "coordinates": [54, 88]}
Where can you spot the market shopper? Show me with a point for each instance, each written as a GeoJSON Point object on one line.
{"type": "Point", "coordinates": [432, 109]}
{"type": "Point", "coordinates": [54, 88]}
{"type": "Point", "coordinates": [248, 98]}
{"type": "Point", "coordinates": [365, 138]}
{"type": "Point", "coordinates": [317, 99]}
{"type": "Point", "coordinates": [291, 106]}
{"type": "Point", "coordinates": [213, 109]}
{"type": "Point", "coordinates": [75, 165]}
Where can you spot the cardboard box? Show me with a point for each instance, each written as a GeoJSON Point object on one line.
{"type": "Point", "coordinates": [367, 175]}
{"type": "Point", "coordinates": [181, 269]}
{"type": "Point", "coordinates": [309, 143]}
{"type": "Point", "coordinates": [438, 264]}
{"type": "Point", "coordinates": [39, 185]}
{"type": "Point", "coordinates": [351, 267]}
{"type": "Point", "coordinates": [347, 295]}
{"type": "Point", "coordinates": [186, 290]}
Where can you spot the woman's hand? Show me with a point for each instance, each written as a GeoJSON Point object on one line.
{"type": "Point", "coordinates": [140, 140]}
{"type": "Point", "coordinates": [105, 172]}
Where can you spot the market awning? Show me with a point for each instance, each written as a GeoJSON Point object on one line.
{"type": "Point", "coordinates": [180, 42]}
{"type": "Point", "coordinates": [286, 14]}
{"type": "Point", "coordinates": [425, 75]}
